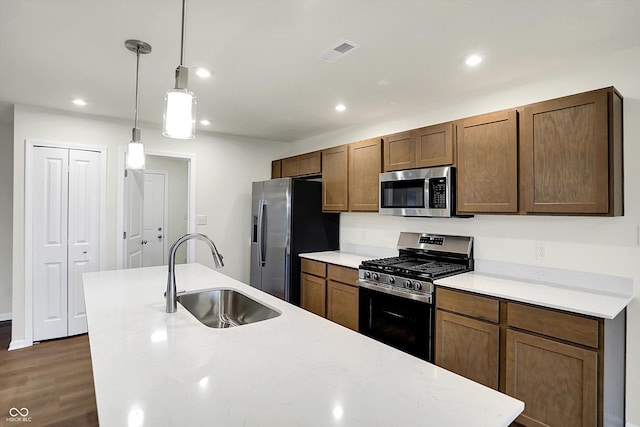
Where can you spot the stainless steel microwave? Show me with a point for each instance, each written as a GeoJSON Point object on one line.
{"type": "Point", "coordinates": [428, 192]}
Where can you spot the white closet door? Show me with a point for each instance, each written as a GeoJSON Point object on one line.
{"type": "Point", "coordinates": [134, 188]}
{"type": "Point", "coordinates": [83, 231]}
{"type": "Point", "coordinates": [49, 218]}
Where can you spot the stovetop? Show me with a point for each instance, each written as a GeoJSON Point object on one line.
{"type": "Point", "coordinates": [413, 267]}
{"type": "Point", "coordinates": [422, 259]}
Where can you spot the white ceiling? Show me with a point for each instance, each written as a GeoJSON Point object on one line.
{"type": "Point", "coordinates": [269, 80]}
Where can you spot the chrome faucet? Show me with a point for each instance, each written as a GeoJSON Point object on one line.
{"type": "Point", "coordinates": [172, 303]}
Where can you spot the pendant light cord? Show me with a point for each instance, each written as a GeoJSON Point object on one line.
{"type": "Point", "coordinates": [137, 79]}
{"type": "Point", "coordinates": [184, 14]}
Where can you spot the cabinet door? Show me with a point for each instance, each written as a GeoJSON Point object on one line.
{"type": "Point", "coordinates": [468, 347]}
{"type": "Point", "coordinates": [365, 164]}
{"type": "Point", "coordinates": [290, 166]}
{"type": "Point", "coordinates": [434, 145]}
{"type": "Point", "coordinates": [399, 152]}
{"type": "Point", "coordinates": [342, 304]}
{"type": "Point", "coordinates": [310, 163]}
{"type": "Point", "coordinates": [565, 155]}
{"type": "Point", "coordinates": [487, 148]}
{"type": "Point", "coordinates": [335, 180]}
{"type": "Point", "coordinates": [276, 171]}
{"type": "Point", "coordinates": [313, 294]}
{"type": "Point", "coordinates": [557, 382]}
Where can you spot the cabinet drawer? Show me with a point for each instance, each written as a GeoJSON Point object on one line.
{"type": "Point", "coordinates": [342, 274]}
{"type": "Point", "coordinates": [316, 268]}
{"type": "Point", "coordinates": [470, 305]}
{"type": "Point", "coordinates": [564, 326]}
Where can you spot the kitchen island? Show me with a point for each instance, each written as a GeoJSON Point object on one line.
{"type": "Point", "coordinates": [157, 369]}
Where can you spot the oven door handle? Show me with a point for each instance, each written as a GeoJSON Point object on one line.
{"type": "Point", "coordinates": [426, 298]}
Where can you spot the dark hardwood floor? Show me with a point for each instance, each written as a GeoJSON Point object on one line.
{"type": "Point", "coordinates": [53, 380]}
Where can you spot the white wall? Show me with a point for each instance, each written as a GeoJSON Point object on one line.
{"type": "Point", "coordinates": [6, 223]}
{"type": "Point", "coordinates": [177, 199]}
{"type": "Point", "coordinates": [597, 245]}
{"type": "Point", "coordinates": [225, 168]}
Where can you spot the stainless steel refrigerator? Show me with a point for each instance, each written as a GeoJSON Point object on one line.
{"type": "Point", "coordinates": [287, 220]}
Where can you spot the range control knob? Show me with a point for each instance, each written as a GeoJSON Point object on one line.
{"type": "Point", "coordinates": [367, 274]}
{"type": "Point", "coordinates": [375, 276]}
{"type": "Point", "coordinates": [417, 286]}
{"type": "Point", "coordinates": [391, 280]}
{"type": "Point", "coordinates": [407, 284]}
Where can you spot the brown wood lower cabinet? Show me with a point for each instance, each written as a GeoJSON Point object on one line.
{"type": "Point", "coordinates": [567, 368]}
{"type": "Point", "coordinates": [557, 381]}
{"type": "Point", "coordinates": [342, 304]}
{"type": "Point", "coordinates": [468, 347]}
{"type": "Point", "coordinates": [313, 294]}
{"type": "Point", "coordinates": [330, 291]}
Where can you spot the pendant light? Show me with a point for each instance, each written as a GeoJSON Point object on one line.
{"type": "Point", "coordinates": [135, 150]}
{"type": "Point", "coordinates": [179, 118]}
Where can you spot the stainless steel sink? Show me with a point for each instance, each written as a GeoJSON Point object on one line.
{"type": "Point", "coordinates": [225, 308]}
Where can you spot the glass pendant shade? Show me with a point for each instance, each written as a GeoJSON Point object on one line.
{"type": "Point", "coordinates": [135, 156]}
{"type": "Point", "coordinates": [179, 119]}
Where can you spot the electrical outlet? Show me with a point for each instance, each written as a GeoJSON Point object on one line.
{"type": "Point", "coordinates": [541, 251]}
{"type": "Point", "coordinates": [201, 220]}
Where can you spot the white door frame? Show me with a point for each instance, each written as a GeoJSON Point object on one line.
{"type": "Point", "coordinates": [28, 219]}
{"type": "Point", "coordinates": [191, 200]}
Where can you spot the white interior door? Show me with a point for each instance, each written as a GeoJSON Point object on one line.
{"type": "Point", "coordinates": [83, 231]}
{"type": "Point", "coordinates": [49, 201]}
{"type": "Point", "coordinates": [134, 205]}
{"type": "Point", "coordinates": [154, 218]}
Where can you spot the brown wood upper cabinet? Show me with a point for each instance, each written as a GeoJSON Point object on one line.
{"type": "Point", "coordinates": [276, 169]}
{"type": "Point", "coordinates": [419, 148]}
{"type": "Point", "coordinates": [365, 165]}
{"type": "Point", "coordinates": [399, 152]}
{"type": "Point", "coordinates": [434, 145]}
{"type": "Point", "coordinates": [302, 165]}
{"type": "Point", "coordinates": [571, 154]}
{"type": "Point", "coordinates": [335, 180]}
{"type": "Point", "coordinates": [487, 166]}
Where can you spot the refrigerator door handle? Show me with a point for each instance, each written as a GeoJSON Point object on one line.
{"type": "Point", "coordinates": [261, 211]}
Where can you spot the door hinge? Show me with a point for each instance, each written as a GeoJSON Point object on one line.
{"type": "Point", "coordinates": [124, 235]}
{"type": "Point", "coordinates": [125, 173]}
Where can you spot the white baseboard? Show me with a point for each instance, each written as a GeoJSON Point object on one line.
{"type": "Point", "coordinates": [23, 343]}
{"type": "Point", "coordinates": [5, 316]}
{"type": "Point", "coordinates": [631, 425]}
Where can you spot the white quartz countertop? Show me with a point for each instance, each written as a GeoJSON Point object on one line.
{"type": "Point", "coordinates": [157, 369]}
{"type": "Point", "coordinates": [577, 300]}
{"type": "Point", "coordinates": [337, 257]}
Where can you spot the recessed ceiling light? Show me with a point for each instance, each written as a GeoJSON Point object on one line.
{"type": "Point", "coordinates": [473, 60]}
{"type": "Point", "coordinates": [80, 102]}
{"type": "Point", "coordinates": [205, 122]}
{"type": "Point", "coordinates": [203, 72]}
{"type": "Point", "coordinates": [340, 107]}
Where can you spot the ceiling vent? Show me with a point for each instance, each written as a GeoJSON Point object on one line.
{"type": "Point", "coordinates": [338, 50]}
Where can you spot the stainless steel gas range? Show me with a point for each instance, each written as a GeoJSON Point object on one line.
{"type": "Point", "coordinates": [396, 297]}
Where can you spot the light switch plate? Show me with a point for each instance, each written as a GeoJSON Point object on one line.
{"type": "Point", "coordinates": [201, 220]}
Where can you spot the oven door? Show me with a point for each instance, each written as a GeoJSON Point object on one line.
{"type": "Point", "coordinates": [400, 322]}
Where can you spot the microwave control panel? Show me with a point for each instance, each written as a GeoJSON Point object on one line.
{"type": "Point", "coordinates": [438, 193]}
